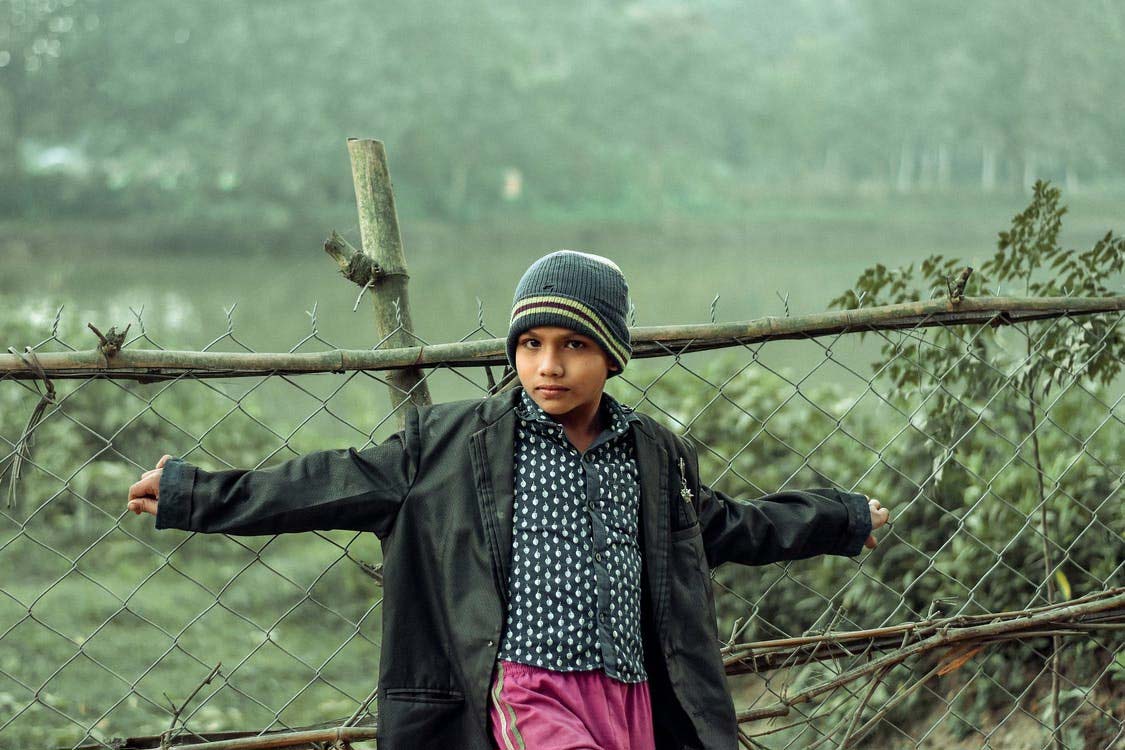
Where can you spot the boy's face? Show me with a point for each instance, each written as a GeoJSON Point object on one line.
{"type": "Point", "coordinates": [571, 362]}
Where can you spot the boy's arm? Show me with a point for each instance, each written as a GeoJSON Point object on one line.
{"type": "Point", "coordinates": [788, 525]}
{"type": "Point", "coordinates": [331, 489]}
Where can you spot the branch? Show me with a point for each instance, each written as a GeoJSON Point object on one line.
{"type": "Point", "coordinates": [176, 711]}
{"type": "Point", "coordinates": [210, 740]}
{"type": "Point", "coordinates": [357, 267]}
{"type": "Point", "coordinates": [763, 656]}
{"type": "Point", "coordinates": [147, 365]}
{"type": "Point", "coordinates": [288, 739]}
{"type": "Point", "coordinates": [1098, 609]}
{"type": "Point", "coordinates": [111, 342]}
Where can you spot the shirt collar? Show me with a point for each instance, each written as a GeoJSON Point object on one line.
{"type": "Point", "coordinates": [619, 415]}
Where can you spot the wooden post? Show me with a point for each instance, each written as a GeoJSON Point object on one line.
{"type": "Point", "coordinates": [382, 243]}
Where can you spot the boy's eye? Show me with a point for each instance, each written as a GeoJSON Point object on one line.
{"type": "Point", "coordinates": [578, 344]}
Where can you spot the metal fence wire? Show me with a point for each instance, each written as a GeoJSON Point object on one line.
{"type": "Point", "coordinates": [990, 614]}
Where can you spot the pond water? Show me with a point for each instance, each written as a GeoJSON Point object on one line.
{"type": "Point", "coordinates": [796, 254]}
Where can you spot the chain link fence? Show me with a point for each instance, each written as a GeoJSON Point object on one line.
{"type": "Point", "coordinates": [988, 616]}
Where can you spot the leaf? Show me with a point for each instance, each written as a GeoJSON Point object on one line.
{"type": "Point", "coordinates": [1064, 584]}
{"type": "Point", "coordinates": [956, 659]}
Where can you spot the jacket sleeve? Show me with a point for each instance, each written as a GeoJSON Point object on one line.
{"type": "Point", "coordinates": [789, 525]}
{"type": "Point", "coordinates": [330, 489]}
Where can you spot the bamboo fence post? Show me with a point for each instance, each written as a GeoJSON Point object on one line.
{"type": "Point", "coordinates": [382, 243]}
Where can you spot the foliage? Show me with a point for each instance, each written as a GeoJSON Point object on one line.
{"type": "Point", "coordinates": [1091, 347]}
{"type": "Point", "coordinates": [979, 439]}
{"type": "Point", "coordinates": [625, 110]}
{"type": "Point", "coordinates": [992, 402]}
{"type": "Point", "coordinates": [959, 474]}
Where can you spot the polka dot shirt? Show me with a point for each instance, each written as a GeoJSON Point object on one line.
{"type": "Point", "coordinates": [575, 582]}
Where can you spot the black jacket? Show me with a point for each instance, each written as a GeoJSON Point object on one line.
{"type": "Point", "coordinates": [439, 496]}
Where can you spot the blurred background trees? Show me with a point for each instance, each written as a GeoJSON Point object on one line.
{"type": "Point", "coordinates": [622, 108]}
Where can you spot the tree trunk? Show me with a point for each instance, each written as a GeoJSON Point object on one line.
{"type": "Point", "coordinates": [1072, 185]}
{"type": "Point", "coordinates": [943, 167]}
{"type": "Point", "coordinates": [458, 189]}
{"type": "Point", "coordinates": [833, 174]}
{"type": "Point", "coordinates": [905, 168]}
{"type": "Point", "coordinates": [1030, 167]}
{"type": "Point", "coordinates": [12, 81]}
{"type": "Point", "coordinates": [988, 168]}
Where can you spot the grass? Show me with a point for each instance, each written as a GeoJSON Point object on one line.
{"type": "Point", "coordinates": [102, 641]}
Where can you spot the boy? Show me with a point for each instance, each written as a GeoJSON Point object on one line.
{"type": "Point", "coordinates": [546, 551]}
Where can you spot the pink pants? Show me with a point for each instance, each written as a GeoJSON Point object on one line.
{"type": "Point", "coordinates": [532, 708]}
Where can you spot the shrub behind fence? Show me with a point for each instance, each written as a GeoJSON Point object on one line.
{"type": "Point", "coordinates": [1005, 499]}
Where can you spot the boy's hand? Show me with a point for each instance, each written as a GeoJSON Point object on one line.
{"type": "Point", "coordinates": [879, 516]}
{"type": "Point", "coordinates": [144, 495]}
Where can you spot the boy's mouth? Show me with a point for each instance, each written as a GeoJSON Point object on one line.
{"type": "Point", "coordinates": [552, 388]}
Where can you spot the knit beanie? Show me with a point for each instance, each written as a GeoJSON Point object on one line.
{"type": "Point", "coordinates": [580, 291]}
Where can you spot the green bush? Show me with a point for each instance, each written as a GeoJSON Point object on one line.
{"type": "Point", "coordinates": [980, 439]}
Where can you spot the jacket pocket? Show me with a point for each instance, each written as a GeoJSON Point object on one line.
{"type": "Point", "coordinates": [423, 695]}
{"type": "Point", "coordinates": [691, 580]}
{"type": "Point", "coordinates": [687, 533]}
{"type": "Point", "coordinates": [422, 719]}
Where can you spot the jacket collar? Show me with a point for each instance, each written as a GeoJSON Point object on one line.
{"type": "Point", "coordinates": [611, 412]}
{"type": "Point", "coordinates": [493, 408]}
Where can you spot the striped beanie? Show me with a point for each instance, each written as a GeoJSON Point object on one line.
{"type": "Point", "coordinates": [580, 291]}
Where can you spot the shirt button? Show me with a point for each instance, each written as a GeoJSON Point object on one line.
{"type": "Point", "coordinates": [592, 505]}
{"type": "Point", "coordinates": [598, 556]}
{"type": "Point", "coordinates": [491, 644]}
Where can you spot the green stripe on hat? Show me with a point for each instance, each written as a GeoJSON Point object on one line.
{"type": "Point", "coordinates": [570, 308]}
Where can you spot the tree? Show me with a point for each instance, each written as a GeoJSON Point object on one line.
{"type": "Point", "coordinates": [33, 36]}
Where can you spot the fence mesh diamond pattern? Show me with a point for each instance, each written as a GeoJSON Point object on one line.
{"type": "Point", "coordinates": [988, 616]}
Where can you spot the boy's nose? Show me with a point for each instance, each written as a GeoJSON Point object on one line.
{"type": "Point", "coordinates": [550, 363]}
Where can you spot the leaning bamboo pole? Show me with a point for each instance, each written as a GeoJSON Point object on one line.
{"type": "Point", "coordinates": [147, 365]}
{"type": "Point", "coordinates": [382, 244]}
